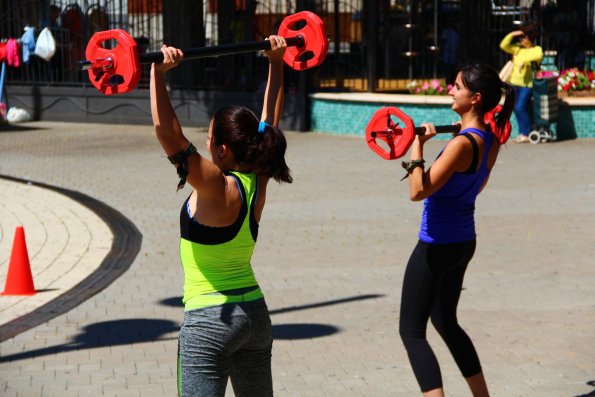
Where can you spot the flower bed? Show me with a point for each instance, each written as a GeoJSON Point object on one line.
{"type": "Point", "coordinates": [428, 87]}
{"type": "Point", "coordinates": [572, 82]}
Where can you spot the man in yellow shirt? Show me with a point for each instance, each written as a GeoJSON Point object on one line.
{"type": "Point", "coordinates": [525, 57]}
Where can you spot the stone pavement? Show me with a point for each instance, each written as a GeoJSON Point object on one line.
{"type": "Point", "coordinates": [65, 242]}
{"type": "Point", "coordinates": [330, 260]}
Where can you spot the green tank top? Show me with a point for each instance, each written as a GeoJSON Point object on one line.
{"type": "Point", "coordinates": [218, 259]}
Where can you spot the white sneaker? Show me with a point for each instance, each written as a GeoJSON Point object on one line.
{"type": "Point", "coordinates": [521, 139]}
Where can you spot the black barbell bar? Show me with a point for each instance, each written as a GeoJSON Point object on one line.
{"type": "Point", "coordinates": [440, 129]}
{"type": "Point", "coordinates": [201, 52]}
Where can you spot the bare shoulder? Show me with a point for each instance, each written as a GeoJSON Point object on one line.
{"type": "Point", "coordinates": [458, 153]}
{"type": "Point", "coordinates": [459, 145]}
{"type": "Point", "coordinates": [263, 181]}
{"type": "Point", "coordinates": [493, 153]}
{"type": "Point", "coordinates": [223, 199]}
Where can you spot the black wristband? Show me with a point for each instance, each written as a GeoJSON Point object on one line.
{"type": "Point", "coordinates": [180, 159]}
{"type": "Point", "coordinates": [409, 166]}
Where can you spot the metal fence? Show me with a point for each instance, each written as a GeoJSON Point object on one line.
{"type": "Point", "coordinates": [374, 45]}
{"type": "Point", "coordinates": [72, 23]}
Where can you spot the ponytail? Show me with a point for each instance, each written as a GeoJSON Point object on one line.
{"type": "Point", "coordinates": [271, 155]}
{"type": "Point", "coordinates": [482, 78]}
{"type": "Point", "coordinates": [507, 107]}
{"type": "Point", "coordinates": [257, 147]}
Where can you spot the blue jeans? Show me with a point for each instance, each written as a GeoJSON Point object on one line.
{"type": "Point", "coordinates": [216, 343]}
{"type": "Point", "coordinates": [521, 109]}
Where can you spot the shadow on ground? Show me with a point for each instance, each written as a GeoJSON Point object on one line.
{"type": "Point", "coordinates": [17, 128]}
{"type": "Point", "coordinates": [130, 331]}
{"type": "Point", "coordinates": [302, 331]}
{"type": "Point", "coordinates": [107, 333]}
{"type": "Point", "coordinates": [590, 394]}
{"type": "Point", "coordinates": [295, 331]}
{"type": "Point", "coordinates": [176, 301]}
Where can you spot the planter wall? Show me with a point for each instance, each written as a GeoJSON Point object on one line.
{"type": "Point", "coordinates": [349, 113]}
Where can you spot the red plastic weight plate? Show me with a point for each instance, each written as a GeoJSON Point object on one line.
{"type": "Point", "coordinates": [315, 41]}
{"type": "Point", "coordinates": [398, 139]}
{"type": "Point", "coordinates": [490, 119]}
{"type": "Point", "coordinates": [125, 72]}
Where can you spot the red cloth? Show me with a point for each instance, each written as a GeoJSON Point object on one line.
{"type": "Point", "coordinates": [12, 53]}
{"type": "Point", "coordinates": [9, 53]}
{"type": "Point", "coordinates": [3, 54]}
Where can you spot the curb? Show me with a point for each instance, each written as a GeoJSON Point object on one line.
{"type": "Point", "coordinates": [125, 247]}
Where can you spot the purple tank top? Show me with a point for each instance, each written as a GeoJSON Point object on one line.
{"type": "Point", "coordinates": [448, 215]}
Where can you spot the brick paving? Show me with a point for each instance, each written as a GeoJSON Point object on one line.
{"type": "Point", "coordinates": [330, 258]}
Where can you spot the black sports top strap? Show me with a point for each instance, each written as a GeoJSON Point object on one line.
{"type": "Point", "coordinates": [196, 232]}
{"type": "Point", "coordinates": [473, 167]}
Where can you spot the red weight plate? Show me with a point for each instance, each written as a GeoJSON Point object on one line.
{"type": "Point", "coordinates": [124, 74]}
{"type": "Point", "coordinates": [314, 35]}
{"type": "Point", "coordinates": [398, 139]}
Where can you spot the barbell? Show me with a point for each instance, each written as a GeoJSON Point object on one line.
{"type": "Point", "coordinates": [398, 139]}
{"type": "Point", "coordinates": [117, 70]}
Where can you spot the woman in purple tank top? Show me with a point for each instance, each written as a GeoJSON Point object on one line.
{"type": "Point", "coordinates": [434, 275]}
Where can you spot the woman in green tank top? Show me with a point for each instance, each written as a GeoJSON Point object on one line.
{"type": "Point", "coordinates": [227, 330]}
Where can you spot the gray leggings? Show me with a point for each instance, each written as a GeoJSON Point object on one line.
{"type": "Point", "coordinates": [216, 343]}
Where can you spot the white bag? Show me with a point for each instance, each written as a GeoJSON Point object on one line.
{"type": "Point", "coordinates": [45, 47]}
{"type": "Point", "coordinates": [506, 71]}
{"type": "Point", "coordinates": [17, 115]}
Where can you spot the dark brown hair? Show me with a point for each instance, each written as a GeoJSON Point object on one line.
{"type": "Point", "coordinates": [260, 152]}
{"type": "Point", "coordinates": [484, 79]}
{"type": "Point", "coordinates": [531, 30]}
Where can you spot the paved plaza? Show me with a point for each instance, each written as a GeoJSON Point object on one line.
{"type": "Point", "coordinates": [330, 259]}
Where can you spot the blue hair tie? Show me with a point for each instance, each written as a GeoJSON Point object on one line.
{"type": "Point", "coordinates": [261, 127]}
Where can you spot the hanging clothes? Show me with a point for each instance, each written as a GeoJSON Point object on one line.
{"type": "Point", "coordinates": [28, 43]}
{"type": "Point", "coordinates": [3, 53]}
{"type": "Point", "coordinates": [12, 53]}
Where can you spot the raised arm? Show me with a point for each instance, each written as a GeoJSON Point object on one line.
{"type": "Point", "coordinates": [167, 125]}
{"type": "Point", "coordinates": [507, 45]}
{"type": "Point", "coordinates": [273, 97]}
{"type": "Point", "coordinates": [203, 175]}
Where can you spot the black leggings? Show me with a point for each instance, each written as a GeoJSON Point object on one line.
{"type": "Point", "coordinates": [431, 288]}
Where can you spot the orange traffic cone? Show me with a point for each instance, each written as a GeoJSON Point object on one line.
{"type": "Point", "coordinates": [19, 280]}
